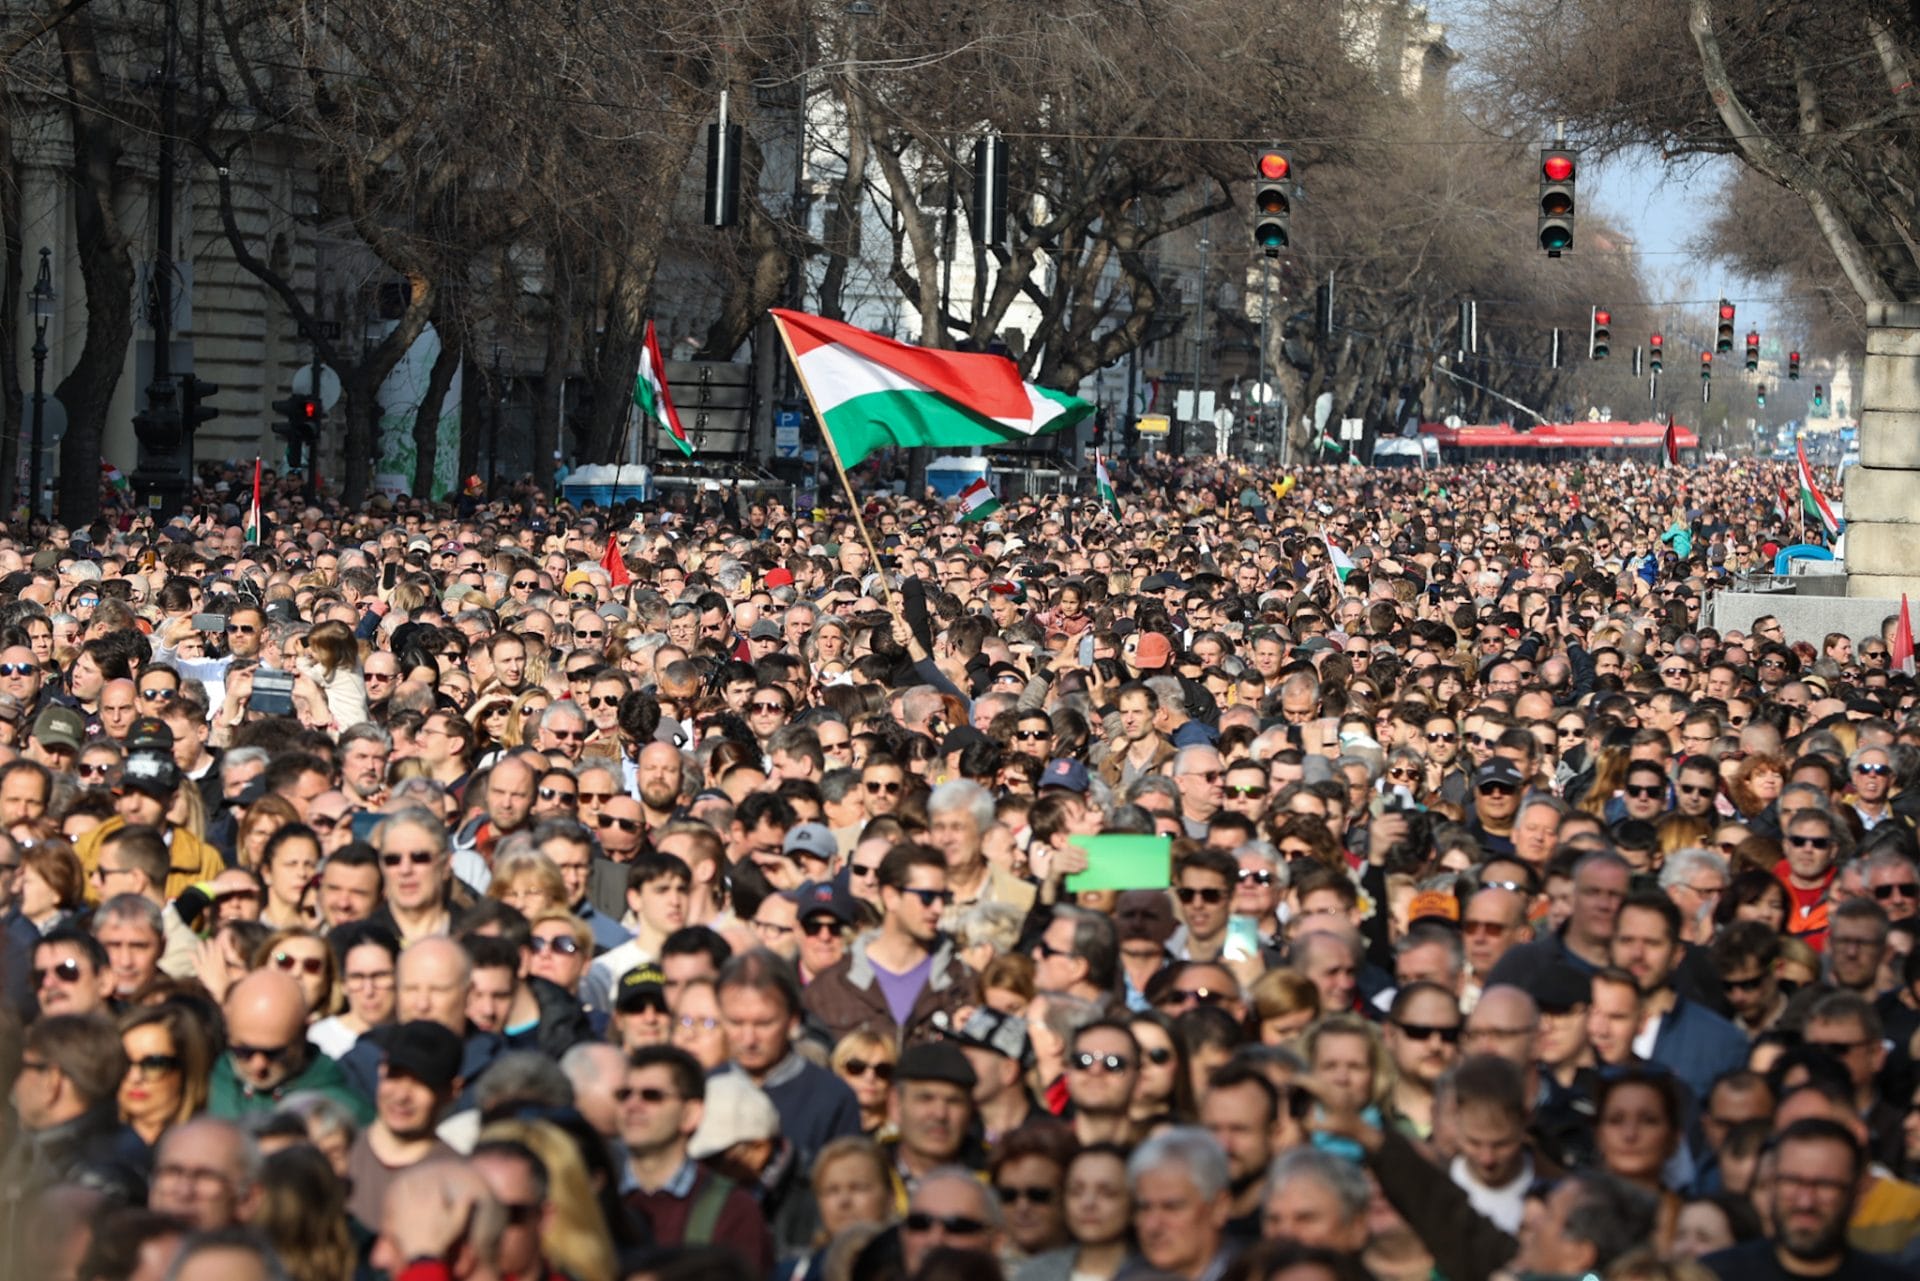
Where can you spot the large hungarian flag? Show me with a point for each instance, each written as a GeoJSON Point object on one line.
{"type": "Point", "coordinates": [1103, 483]}
{"type": "Point", "coordinates": [873, 393]}
{"type": "Point", "coordinates": [253, 510]}
{"type": "Point", "coordinates": [650, 392]}
{"type": "Point", "coordinates": [977, 501]}
{"type": "Point", "coordinates": [1812, 501]}
{"type": "Point", "coordinates": [1900, 653]}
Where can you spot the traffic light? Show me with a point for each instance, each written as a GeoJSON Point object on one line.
{"type": "Point", "coordinates": [1793, 366]}
{"type": "Point", "coordinates": [1723, 344]}
{"type": "Point", "coordinates": [193, 407]}
{"type": "Point", "coordinates": [990, 190]}
{"type": "Point", "coordinates": [1273, 203]}
{"type": "Point", "coordinates": [157, 427]}
{"type": "Point", "coordinates": [1753, 351]}
{"type": "Point", "coordinates": [1600, 334]}
{"type": "Point", "coordinates": [1760, 397]}
{"type": "Point", "coordinates": [1706, 376]}
{"type": "Point", "coordinates": [1819, 398]}
{"type": "Point", "coordinates": [299, 423]}
{"type": "Point", "coordinates": [1655, 345]}
{"type": "Point", "coordinates": [1559, 168]}
{"type": "Point", "coordinates": [723, 172]}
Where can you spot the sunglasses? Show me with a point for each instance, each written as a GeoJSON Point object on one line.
{"type": "Point", "coordinates": [1482, 929]}
{"type": "Point", "coordinates": [596, 634]}
{"type": "Point", "coordinates": [1693, 789]}
{"type": "Point", "coordinates": [646, 1094]}
{"type": "Point", "coordinates": [1253, 792]}
{"type": "Point", "coordinates": [769, 708]}
{"type": "Point", "coordinates": [882, 1070]}
{"type": "Point", "coordinates": [155, 1064]}
{"type": "Point", "coordinates": [609, 822]}
{"type": "Point", "coordinates": [1036, 1196]}
{"type": "Point", "coordinates": [1197, 995]}
{"type": "Point", "coordinates": [562, 944]}
{"type": "Point", "coordinates": [1032, 735]}
{"type": "Point", "coordinates": [271, 1053]}
{"type": "Point", "coordinates": [929, 898]}
{"type": "Point", "coordinates": [1873, 771]}
{"type": "Point", "coordinates": [525, 584]}
{"type": "Point", "coordinates": [560, 794]}
{"type": "Point", "coordinates": [60, 972]}
{"type": "Point", "coordinates": [1902, 889]}
{"type": "Point", "coordinates": [1429, 1032]}
{"type": "Point", "coordinates": [94, 770]}
{"type": "Point", "coordinates": [1744, 985]}
{"type": "Point", "coordinates": [863, 870]}
{"type": "Point", "coordinates": [288, 962]}
{"type": "Point", "coordinates": [418, 858]}
{"type": "Point", "coordinates": [1159, 1055]}
{"type": "Point", "coordinates": [953, 1225]}
{"type": "Point", "coordinates": [1085, 1061]}
{"type": "Point", "coordinates": [1188, 893]}
{"type": "Point", "coordinates": [1645, 791]}
{"type": "Point", "coordinates": [821, 927]}
{"type": "Point", "coordinates": [1408, 774]}
{"type": "Point", "coordinates": [1255, 876]}
{"type": "Point", "coordinates": [596, 798]}
{"type": "Point", "coordinates": [1497, 789]}
{"type": "Point", "coordinates": [888, 789]}
{"type": "Point", "coordinates": [17, 669]}
{"type": "Point", "coordinates": [1443, 737]}
{"type": "Point", "coordinates": [1811, 842]}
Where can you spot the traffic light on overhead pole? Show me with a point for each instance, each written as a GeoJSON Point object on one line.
{"type": "Point", "coordinates": [1273, 202]}
{"type": "Point", "coordinates": [1760, 397]}
{"type": "Point", "coordinates": [1819, 397]}
{"type": "Point", "coordinates": [1655, 349]}
{"type": "Point", "coordinates": [194, 409]}
{"type": "Point", "coordinates": [1753, 351]}
{"type": "Point", "coordinates": [1706, 376]}
{"type": "Point", "coordinates": [723, 173]}
{"type": "Point", "coordinates": [1793, 366]}
{"type": "Point", "coordinates": [299, 419]}
{"type": "Point", "coordinates": [1559, 170]}
{"type": "Point", "coordinates": [1723, 341]}
{"type": "Point", "coordinates": [1600, 334]}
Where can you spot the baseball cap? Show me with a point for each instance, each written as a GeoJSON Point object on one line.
{"type": "Point", "coordinates": [936, 1061]}
{"type": "Point", "coordinates": [1556, 987]}
{"type": "Point", "coordinates": [60, 727]}
{"type": "Point", "coordinates": [639, 987]}
{"type": "Point", "coordinates": [780, 576]}
{"type": "Point", "coordinates": [1004, 1034]}
{"type": "Point", "coordinates": [149, 734]}
{"type": "Point", "coordinates": [737, 1111]}
{"type": "Point", "coordinates": [765, 629]}
{"type": "Point", "coordinates": [427, 1052]}
{"type": "Point", "coordinates": [815, 840]}
{"type": "Point", "coordinates": [1067, 773]}
{"type": "Point", "coordinates": [1498, 770]}
{"type": "Point", "coordinates": [1434, 905]}
{"type": "Point", "coordinates": [816, 898]}
{"type": "Point", "coordinates": [1154, 651]}
{"type": "Point", "coordinates": [151, 773]}
{"type": "Point", "coordinates": [961, 737]}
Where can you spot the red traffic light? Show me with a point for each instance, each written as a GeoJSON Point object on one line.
{"type": "Point", "coordinates": [1656, 341]}
{"type": "Point", "coordinates": [1753, 338]}
{"type": "Point", "coordinates": [1706, 358]}
{"type": "Point", "coordinates": [1274, 166]}
{"type": "Point", "coordinates": [1726, 311]}
{"type": "Point", "coordinates": [309, 408]}
{"type": "Point", "coordinates": [1557, 167]}
{"type": "Point", "coordinates": [1602, 319]}
{"type": "Point", "coordinates": [1793, 357]}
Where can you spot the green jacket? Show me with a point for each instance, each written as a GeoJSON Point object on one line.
{"type": "Point", "coordinates": [229, 1097]}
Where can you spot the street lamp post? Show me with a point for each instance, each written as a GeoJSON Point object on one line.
{"type": "Point", "coordinates": [43, 298]}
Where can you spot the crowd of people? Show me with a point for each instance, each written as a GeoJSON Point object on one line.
{"type": "Point", "coordinates": [710, 889]}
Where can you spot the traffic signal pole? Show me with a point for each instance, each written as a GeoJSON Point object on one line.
{"type": "Point", "coordinates": [164, 474]}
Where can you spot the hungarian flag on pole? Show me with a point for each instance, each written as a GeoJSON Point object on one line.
{"type": "Point", "coordinates": [614, 563]}
{"type": "Point", "coordinates": [872, 393]}
{"type": "Point", "coordinates": [977, 501]}
{"type": "Point", "coordinates": [1103, 483]}
{"type": "Point", "coordinates": [1670, 446]}
{"type": "Point", "coordinates": [1900, 653]}
{"type": "Point", "coordinates": [253, 509]}
{"type": "Point", "coordinates": [1811, 499]}
{"type": "Point", "coordinates": [650, 393]}
{"type": "Point", "coordinates": [113, 476]}
{"type": "Point", "coordinates": [1342, 564]}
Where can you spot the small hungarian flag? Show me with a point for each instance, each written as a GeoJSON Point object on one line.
{"type": "Point", "coordinates": [253, 510]}
{"type": "Point", "coordinates": [1342, 564]}
{"type": "Point", "coordinates": [111, 474]}
{"type": "Point", "coordinates": [1670, 446]}
{"type": "Point", "coordinates": [977, 501]}
{"type": "Point", "coordinates": [1812, 501]}
{"type": "Point", "coordinates": [872, 393]}
{"type": "Point", "coordinates": [1900, 653]}
{"type": "Point", "coordinates": [1783, 506]}
{"type": "Point", "coordinates": [650, 393]}
{"type": "Point", "coordinates": [1104, 484]}
{"type": "Point", "coordinates": [614, 563]}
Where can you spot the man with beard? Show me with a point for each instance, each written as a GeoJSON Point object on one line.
{"type": "Point", "coordinates": [419, 1078]}
{"type": "Point", "coordinates": [1423, 1036]}
{"type": "Point", "coordinates": [1817, 1168]}
{"type": "Point", "coordinates": [1240, 1109]}
{"type": "Point", "coordinates": [1684, 1036]}
{"type": "Point", "coordinates": [658, 774]}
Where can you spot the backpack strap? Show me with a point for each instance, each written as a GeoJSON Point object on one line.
{"type": "Point", "coordinates": [705, 1215]}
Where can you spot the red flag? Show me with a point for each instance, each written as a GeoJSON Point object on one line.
{"type": "Point", "coordinates": [1670, 446]}
{"type": "Point", "coordinates": [614, 563]}
{"type": "Point", "coordinates": [1900, 655]}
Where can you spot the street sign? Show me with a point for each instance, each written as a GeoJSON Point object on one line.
{"type": "Point", "coordinates": [786, 433]}
{"type": "Point", "coordinates": [1350, 428]}
{"type": "Point", "coordinates": [1153, 425]}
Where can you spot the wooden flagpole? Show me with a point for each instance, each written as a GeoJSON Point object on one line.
{"type": "Point", "coordinates": [846, 482]}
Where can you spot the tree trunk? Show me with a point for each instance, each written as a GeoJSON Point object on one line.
{"type": "Point", "coordinates": [426, 420]}
{"type": "Point", "coordinates": [12, 420]}
{"type": "Point", "coordinates": [552, 400]}
{"type": "Point", "coordinates": [106, 268]}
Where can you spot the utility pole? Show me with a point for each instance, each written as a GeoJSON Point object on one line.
{"type": "Point", "coordinates": [1260, 390]}
{"type": "Point", "coordinates": [1199, 333]}
{"type": "Point", "coordinates": [164, 475]}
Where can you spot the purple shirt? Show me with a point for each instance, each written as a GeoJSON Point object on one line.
{"type": "Point", "coordinates": [902, 990]}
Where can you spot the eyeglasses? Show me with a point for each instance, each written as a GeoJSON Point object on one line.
{"type": "Point", "coordinates": [1255, 876]}
{"type": "Point", "coordinates": [1188, 893]}
{"type": "Point", "coordinates": [596, 798]}
{"type": "Point", "coordinates": [1085, 1061]}
{"type": "Point", "coordinates": [769, 708]}
{"type": "Point", "coordinates": [863, 871]}
{"type": "Point", "coordinates": [1694, 789]}
{"type": "Point", "coordinates": [1251, 792]}
{"type": "Point", "coordinates": [271, 1053]}
{"type": "Point", "coordinates": [1032, 735]}
{"type": "Point", "coordinates": [610, 821]}
{"type": "Point", "coordinates": [17, 669]}
{"type": "Point", "coordinates": [775, 928]}
{"type": "Point", "coordinates": [525, 584]}
{"type": "Point", "coordinates": [1872, 770]}
{"type": "Point", "coordinates": [1197, 995]}
{"type": "Point", "coordinates": [1811, 842]}
{"type": "Point", "coordinates": [155, 1064]}
{"type": "Point", "coordinates": [1429, 1032]}
{"type": "Point", "coordinates": [929, 898]}
{"type": "Point", "coordinates": [880, 1070]}
{"type": "Point", "coordinates": [288, 962]}
{"type": "Point", "coordinates": [888, 789]}
{"type": "Point", "coordinates": [1035, 1195]}
{"type": "Point", "coordinates": [598, 633]}
{"type": "Point", "coordinates": [418, 858]}
{"type": "Point", "coordinates": [1646, 791]}
{"type": "Point", "coordinates": [95, 769]}
{"type": "Point", "coordinates": [953, 1225]}
{"type": "Point", "coordinates": [1497, 789]}
{"type": "Point", "coordinates": [652, 1094]}
{"type": "Point", "coordinates": [560, 944]}
{"type": "Point", "coordinates": [561, 794]}
{"type": "Point", "coordinates": [1901, 889]}
{"type": "Point", "coordinates": [368, 978]}
{"type": "Point", "coordinates": [60, 972]}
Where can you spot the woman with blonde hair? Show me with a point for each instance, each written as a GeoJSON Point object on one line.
{"type": "Point", "coordinates": [574, 1238]}
{"type": "Point", "coordinates": [1280, 1005]}
{"type": "Point", "coordinates": [189, 810]}
{"type": "Point", "coordinates": [525, 715]}
{"type": "Point", "coordinates": [864, 1059]}
{"type": "Point", "coordinates": [302, 1213]}
{"type": "Point", "coordinates": [529, 882]}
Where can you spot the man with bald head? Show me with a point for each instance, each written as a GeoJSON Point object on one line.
{"type": "Point", "coordinates": [509, 806]}
{"type": "Point", "coordinates": [268, 1055]}
{"type": "Point", "coordinates": [180, 1189]}
{"type": "Point", "coordinates": [20, 676]}
{"type": "Point", "coordinates": [658, 776]}
{"type": "Point", "coordinates": [119, 706]}
{"type": "Point", "coordinates": [432, 982]}
{"type": "Point", "coordinates": [444, 1211]}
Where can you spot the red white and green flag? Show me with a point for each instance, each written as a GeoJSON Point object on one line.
{"type": "Point", "coordinates": [253, 508]}
{"type": "Point", "coordinates": [1900, 653]}
{"type": "Point", "coordinates": [872, 393]}
{"type": "Point", "coordinates": [1103, 483]}
{"type": "Point", "coordinates": [650, 393]}
{"type": "Point", "coordinates": [113, 477]}
{"type": "Point", "coordinates": [1341, 562]}
{"type": "Point", "coordinates": [1812, 501]}
{"type": "Point", "coordinates": [977, 501]}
